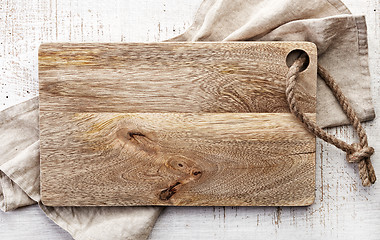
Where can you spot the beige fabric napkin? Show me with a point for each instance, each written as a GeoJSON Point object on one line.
{"type": "Point", "coordinates": [342, 47]}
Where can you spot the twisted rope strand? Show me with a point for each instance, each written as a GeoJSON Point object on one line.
{"type": "Point", "coordinates": [357, 152]}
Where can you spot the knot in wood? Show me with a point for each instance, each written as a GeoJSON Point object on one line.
{"type": "Point", "coordinates": [359, 153]}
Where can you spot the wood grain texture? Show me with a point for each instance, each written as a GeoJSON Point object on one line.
{"type": "Point", "coordinates": [176, 159]}
{"type": "Point", "coordinates": [342, 210]}
{"type": "Point", "coordinates": [171, 77]}
{"type": "Point", "coordinates": [208, 125]}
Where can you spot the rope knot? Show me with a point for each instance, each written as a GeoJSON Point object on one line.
{"type": "Point", "coordinates": [359, 153]}
{"type": "Point", "coordinates": [356, 153]}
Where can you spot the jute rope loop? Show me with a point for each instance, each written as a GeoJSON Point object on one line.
{"type": "Point", "coordinates": [357, 152]}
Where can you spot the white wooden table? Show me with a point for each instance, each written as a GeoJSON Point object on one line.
{"type": "Point", "coordinates": [343, 208]}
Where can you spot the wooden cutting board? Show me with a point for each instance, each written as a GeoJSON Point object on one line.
{"type": "Point", "coordinates": [195, 124]}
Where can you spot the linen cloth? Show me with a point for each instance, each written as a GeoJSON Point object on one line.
{"type": "Point", "coordinates": [342, 48]}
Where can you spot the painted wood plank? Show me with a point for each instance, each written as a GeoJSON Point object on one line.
{"type": "Point", "coordinates": [176, 159]}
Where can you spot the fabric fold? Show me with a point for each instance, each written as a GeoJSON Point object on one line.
{"type": "Point", "coordinates": [98, 223]}
{"type": "Point", "coordinates": [11, 195]}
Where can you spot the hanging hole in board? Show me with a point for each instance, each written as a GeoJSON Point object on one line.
{"type": "Point", "coordinates": [293, 55]}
